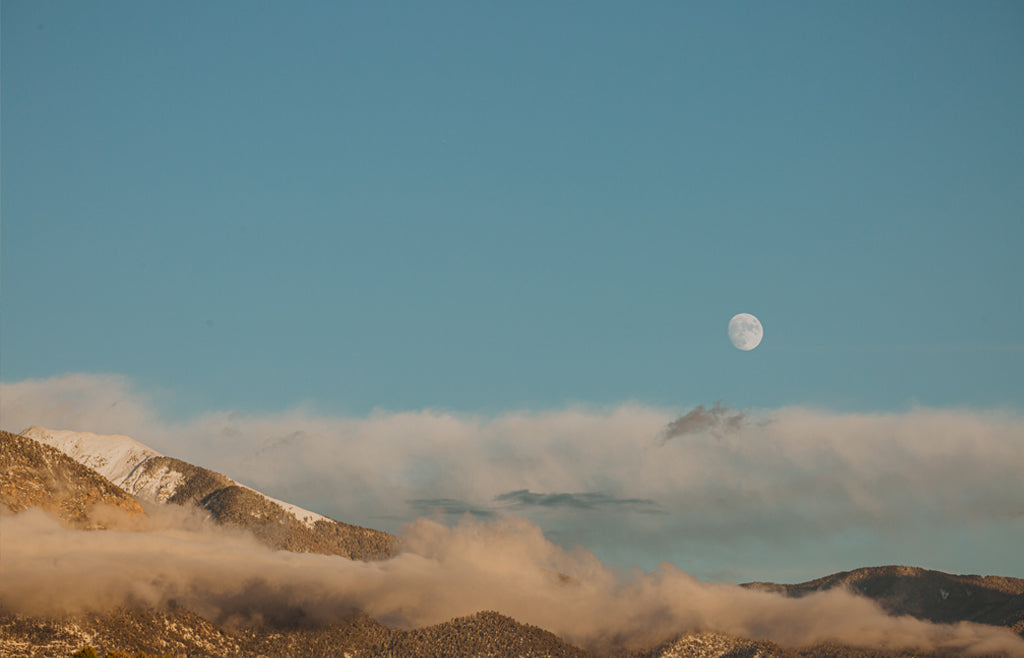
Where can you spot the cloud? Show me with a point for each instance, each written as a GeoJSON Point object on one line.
{"type": "Point", "coordinates": [578, 501]}
{"type": "Point", "coordinates": [717, 421]}
{"type": "Point", "coordinates": [505, 565]}
{"type": "Point", "coordinates": [105, 402]}
{"type": "Point", "coordinates": [448, 507]}
{"type": "Point", "coordinates": [524, 498]}
{"type": "Point", "coordinates": [785, 494]}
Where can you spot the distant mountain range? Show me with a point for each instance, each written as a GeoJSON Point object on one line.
{"type": "Point", "coordinates": [70, 473]}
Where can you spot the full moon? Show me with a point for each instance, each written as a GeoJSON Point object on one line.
{"type": "Point", "coordinates": [745, 331]}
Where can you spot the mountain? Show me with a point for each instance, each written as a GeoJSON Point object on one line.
{"type": "Point", "coordinates": [714, 645]}
{"type": "Point", "coordinates": [930, 595]}
{"type": "Point", "coordinates": [37, 475]}
{"type": "Point", "coordinates": [709, 644]}
{"type": "Point", "coordinates": [180, 632]}
{"type": "Point", "coordinates": [153, 477]}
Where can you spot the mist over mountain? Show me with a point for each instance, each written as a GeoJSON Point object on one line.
{"type": "Point", "coordinates": [221, 584]}
{"type": "Point", "coordinates": [925, 594]}
{"type": "Point", "coordinates": [737, 495]}
{"type": "Point", "coordinates": [153, 477]}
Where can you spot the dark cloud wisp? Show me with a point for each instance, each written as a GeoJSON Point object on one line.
{"type": "Point", "coordinates": [448, 507]}
{"type": "Point", "coordinates": [587, 500]}
{"type": "Point", "coordinates": [717, 420]}
{"type": "Point", "coordinates": [524, 498]}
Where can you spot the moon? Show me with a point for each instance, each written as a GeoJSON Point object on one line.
{"type": "Point", "coordinates": [745, 331]}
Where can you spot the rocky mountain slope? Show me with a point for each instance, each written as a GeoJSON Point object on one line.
{"type": "Point", "coordinates": [151, 476]}
{"type": "Point", "coordinates": [709, 644]}
{"type": "Point", "coordinates": [714, 645]}
{"type": "Point", "coordinates": [179, 632]}
{"type": "Point", "coordinates": [37, 475]}
{"type": "Point", "coordinates": [930, 595]}
{"type": "Point", "coordinates": [182, 633]}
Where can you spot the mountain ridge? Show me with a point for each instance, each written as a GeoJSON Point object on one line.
{"type": "Point", "coordinates": [181, 632]}
{"type": "Point", "coordinates": [38, 475]}
{"type": "Point", "coordinates": [925, 594]}
{"type": "Point", "coordinates": [151, 476]}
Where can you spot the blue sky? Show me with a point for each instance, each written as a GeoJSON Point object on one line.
{"type": "Point", "coordinates": [320, 225]}
{"type": "Point", "coordinates": [480, 207]}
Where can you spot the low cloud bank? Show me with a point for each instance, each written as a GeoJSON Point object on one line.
{"type": "Point", "coordinates": [506, 565]}
{"type": "Point", "coordinates": [784, 494]}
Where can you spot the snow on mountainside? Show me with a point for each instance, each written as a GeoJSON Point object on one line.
{"type": "Point", "coordinates": [113, 456]}
{"type": "Point", "coordinates": [123, 461]}
{"type": "Point", "coordinates": [37, 475]}
{"type": "Point", "coordinates": [307, 517]}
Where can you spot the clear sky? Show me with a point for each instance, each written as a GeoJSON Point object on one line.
{"type": "Point", "coordinates": [524, 206]}
{"type": "Point", "coordinates": [476, 206]}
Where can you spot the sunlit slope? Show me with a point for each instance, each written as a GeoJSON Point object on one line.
{"type": "Point", "coordinates": [151, 476]}
{"type": "Point", "coordinates": [37, 475]}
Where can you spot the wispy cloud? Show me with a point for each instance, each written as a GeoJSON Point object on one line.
{"type": "Point", "coordinates": [523, 499]}
{"type": "Point", "coordinates": [591, 500]}
{"type": "Point", "coordinates": [448, 507]}
{"type": "Point", "coordinates": [716, 420]}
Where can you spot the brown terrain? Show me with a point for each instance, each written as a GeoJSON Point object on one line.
{"type": "Point", "coordinates": [709, 644]}
{"type": "Point", "coordinates": [233, 505]}
{"type": "Point", "coordinates": [179, 632]}
{"type": "Point", "coordinates": [36, 475]}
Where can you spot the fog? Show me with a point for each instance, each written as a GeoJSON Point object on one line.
{"type": "Point", "coordinates": [504, 564]}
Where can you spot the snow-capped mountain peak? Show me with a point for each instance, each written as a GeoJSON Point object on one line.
{"type": "Point", "coordinates": [123, 460]}
{"type": "Point", "coordinates": [113, 456]}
